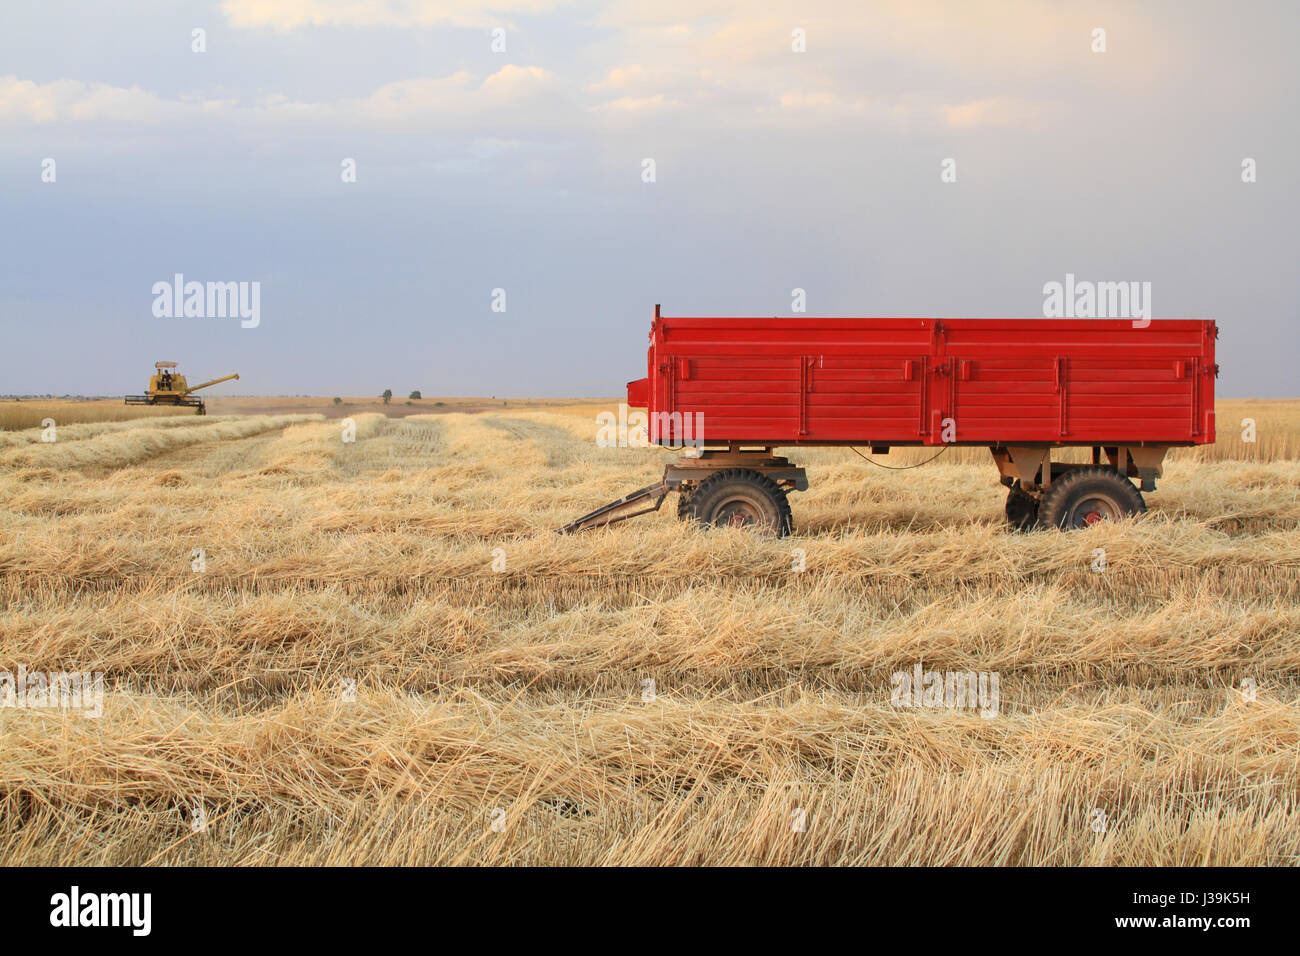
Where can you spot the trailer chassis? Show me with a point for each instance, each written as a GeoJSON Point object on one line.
{"type": "Point", "coordinates": [688, 473]}
{"type": "Point", "coordinates": [739, 486]}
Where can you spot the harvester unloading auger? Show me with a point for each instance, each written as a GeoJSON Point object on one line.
{"type": "Point", "coordinates": [167, 387]}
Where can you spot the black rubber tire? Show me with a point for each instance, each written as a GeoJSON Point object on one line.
{"type": "Point", "coordinates": [1022, 509]}
{"type": "Point", "coordinates": [739, 497]}
{"type": "Point", "coordinates": [684, 494]}
{"type": "Point", "coordinates": [1086, 495]}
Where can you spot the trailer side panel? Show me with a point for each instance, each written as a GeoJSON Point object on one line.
{"type": "Point", "coordinates": [894, 381]}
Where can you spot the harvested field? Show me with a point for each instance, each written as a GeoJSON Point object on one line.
{"type": "Point", "coordinates": [376, 651]}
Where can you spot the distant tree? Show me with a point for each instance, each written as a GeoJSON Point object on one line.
{"type": "Point", "coordinates": [337, 400]}
{"type": "Point", "coordinates": [415, 394]}
{"type": "Point", "coordinates": [387, 396]}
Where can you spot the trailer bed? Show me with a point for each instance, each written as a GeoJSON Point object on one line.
{"type": "Point", "coordinates": [901, 381]}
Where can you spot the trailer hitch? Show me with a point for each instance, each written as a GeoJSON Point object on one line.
{"type": "Point", "coordinates": [615, 510]}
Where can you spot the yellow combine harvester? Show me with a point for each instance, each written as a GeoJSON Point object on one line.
{"type": "Point", "coordinates": [167, 387]}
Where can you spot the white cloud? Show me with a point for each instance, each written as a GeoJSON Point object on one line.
{"type": "Point", "coordinates": [955, 65]}
{"type": "Point", "coordinates": [24, 102]}
{"type": "Point", "coordinates": [622, 78]}
{"type": "Point", "coordinates": [801, 100]}
{"type": "Point", "coordinates": [716, 62]}
{"type": "Point", "coordinates": [292, 14]}
{"type": "Point", "coordinates": [638, 104]}
{"type": "Point", "coordinates": [512, 88]}
{"type": "Point", "coordinates": [996, 112]}
{"type": "Point", "coordinates": [514, 84]}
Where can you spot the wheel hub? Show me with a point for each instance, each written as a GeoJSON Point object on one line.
{"type": "Point", "coordinates": [1091, 510]}
{"type": "Point", "coordinates": [737, 514]}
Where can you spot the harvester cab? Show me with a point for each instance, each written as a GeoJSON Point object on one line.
{"type": "Point", "coordinates": [165, 382]}
{"type": "Point", "coordinates": [168, 387]}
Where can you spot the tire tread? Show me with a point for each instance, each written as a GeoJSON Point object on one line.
{"type": "Point", "coordinates": [1057, 499]}
{"type": "Point", "coordinates": [701, 498]}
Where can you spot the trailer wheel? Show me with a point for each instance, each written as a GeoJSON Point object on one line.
{"type": "Point", "coordinates": [1022, 509]}
{"type": "Point", "coordinates": [1087, 495]}
{"type": "Point", "coordinates": [741, 498]}
{"type": "Point", "coordinates": [684, 494]}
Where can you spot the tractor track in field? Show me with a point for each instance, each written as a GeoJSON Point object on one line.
{"type": "Point", "coordinates": [557, 445]}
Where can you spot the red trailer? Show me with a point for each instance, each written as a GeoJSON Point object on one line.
{"type": "Point", "coordinates": [737, 388]}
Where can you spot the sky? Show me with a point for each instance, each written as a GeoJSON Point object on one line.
{"type": "Point", "coordinates": [887, 158]}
